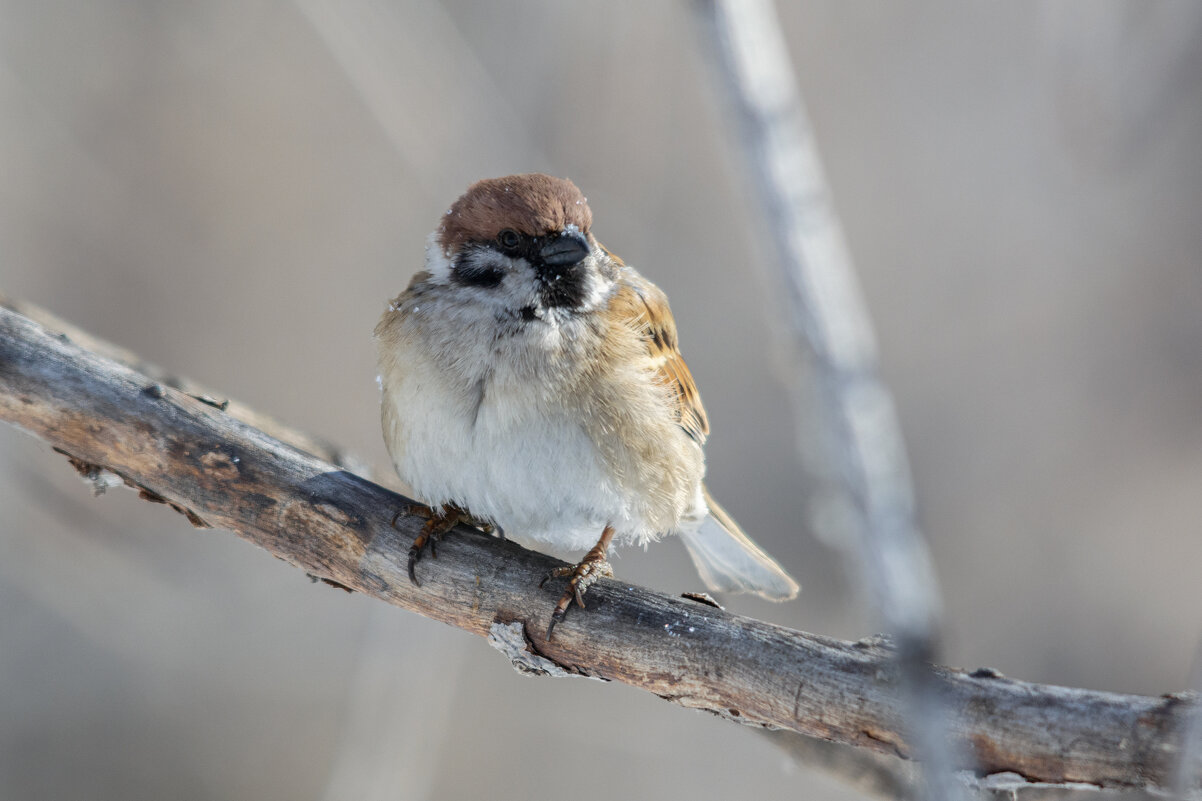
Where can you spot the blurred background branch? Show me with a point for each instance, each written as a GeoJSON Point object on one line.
{"type": "Point", "coordinates": [827, 315]}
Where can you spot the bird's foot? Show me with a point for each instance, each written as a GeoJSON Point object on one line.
{"type": "Point", "coordinates": [593, 567]}
{"type": "Point", "coordinates": [436, 525]}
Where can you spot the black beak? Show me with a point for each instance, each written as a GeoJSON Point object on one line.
{"type": "Point", "coordinates": [565, 250]}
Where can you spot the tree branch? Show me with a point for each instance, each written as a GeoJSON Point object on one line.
{"type": "Point", "coordinates": [333, 524]}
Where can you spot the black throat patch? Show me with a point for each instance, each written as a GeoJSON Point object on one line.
{"type": "Point", "coordinates": [562, 287]}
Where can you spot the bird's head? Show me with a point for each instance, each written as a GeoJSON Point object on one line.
{"type": "Point", "coordinates": [522, 244]}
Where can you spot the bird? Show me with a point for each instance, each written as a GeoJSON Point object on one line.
{"type": "Point", "coordinates": [532, 383]}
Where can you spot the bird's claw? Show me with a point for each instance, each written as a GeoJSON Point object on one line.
{"type": "Point", "coordinates": [584, 575]}
{"type": "Point", "coordinates": [437, 524]}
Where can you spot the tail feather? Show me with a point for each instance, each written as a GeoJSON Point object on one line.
{"type": "Point", "coordinates": [729, 561]}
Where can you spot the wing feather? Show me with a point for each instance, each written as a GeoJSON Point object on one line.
{"type": "Point", "coordinates": [645, 307]}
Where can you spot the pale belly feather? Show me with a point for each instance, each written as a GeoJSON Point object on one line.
{"type": "Point", "coordinates": [530, 469]}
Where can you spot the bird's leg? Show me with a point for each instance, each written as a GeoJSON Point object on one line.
{"type": "Point", "coordinates": [584, 575]}
{"type": "Point", "coordinates": [437, 524]}
{"type": "Point", "coordinates": [491, 529]}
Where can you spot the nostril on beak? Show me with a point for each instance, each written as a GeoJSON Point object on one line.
{"type": "Point", "coordinates": [565, 250]}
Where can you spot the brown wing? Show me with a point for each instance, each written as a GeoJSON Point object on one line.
{"type": "Point", "coordinates": [645, 307]}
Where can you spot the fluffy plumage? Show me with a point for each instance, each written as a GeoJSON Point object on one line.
{"type": "Point", "coordinates": [535, 380]}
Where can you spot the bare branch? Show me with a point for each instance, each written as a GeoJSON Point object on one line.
{"type": "Point", "coordinates": [829, 318]}
{"type": "Point", "coordinates": [333, 524]}
{"type": "Point", "coordinates": [1189, 761]}
{"type": "Point", "coordinates": [825, 307]}
{"type": "Point", "coordinates": [889, 777]}
{"type": "Point", "coordinates": [239, 411]}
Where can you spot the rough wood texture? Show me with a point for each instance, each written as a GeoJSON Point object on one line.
{"type": "Point", "coordinates": [240, 411]}
{"type": "Point", "coordinates": [335, 525]}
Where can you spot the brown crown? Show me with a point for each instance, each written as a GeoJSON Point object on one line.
{"type": "Point", "coordinates": [533, 204]}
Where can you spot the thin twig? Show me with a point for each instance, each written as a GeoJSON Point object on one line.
{"type": "Point", "coordinates": [830, 320]}
{"type": "Point", "coordinates": [333, 524]}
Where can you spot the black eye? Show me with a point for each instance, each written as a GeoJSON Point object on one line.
{"type": "Point", "coordinates": [509, 239]}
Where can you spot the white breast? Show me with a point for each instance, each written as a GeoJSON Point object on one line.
{"type": "Point", "coordinates": [504, 449]}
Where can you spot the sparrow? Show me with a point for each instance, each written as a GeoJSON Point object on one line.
{"type": "Point", "coordinates": [532, 383]}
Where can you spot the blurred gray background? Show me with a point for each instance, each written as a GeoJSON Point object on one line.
{"type": "Point", "coordinates": [234, 190]}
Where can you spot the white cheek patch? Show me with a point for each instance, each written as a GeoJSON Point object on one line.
{"type": "Point", "coordinates": [487, 258]}
{"type": "Point", "coordinates": [438, 260]}
{"type": "Point", "coordinates": [440, 263]}
{"type": "Point", "coordinates": [598, 286]}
